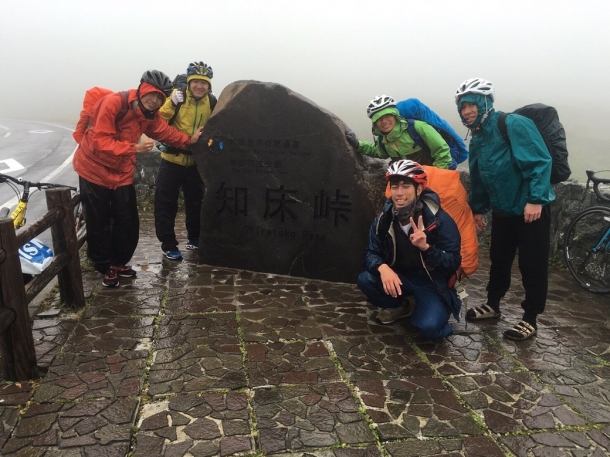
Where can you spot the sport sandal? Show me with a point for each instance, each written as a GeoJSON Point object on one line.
{"type": "Point", "coordinates": [481, 312]}
{"type": "Point", "coordinates": [521, 331]}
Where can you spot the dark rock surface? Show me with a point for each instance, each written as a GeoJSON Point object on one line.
{"type": "Point", "coordinates": [285, 192]}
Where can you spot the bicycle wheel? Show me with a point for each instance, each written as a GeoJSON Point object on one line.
{"type": "Point", "coordinates": [586, 249]}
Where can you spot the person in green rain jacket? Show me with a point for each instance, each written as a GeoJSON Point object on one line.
{"type": "Point", "coordinates": [392, 139]}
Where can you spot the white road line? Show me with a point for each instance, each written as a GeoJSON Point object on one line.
{"type": "Point", "coordinates": [12, 165]}
{"type": "Point", "coordinates": [7, 134]}
{"type": "Point", "coordinates": [55, 125]}
{"type": "Point", "coordinates": [37, 122]}
{"type": "Point", "coordinates": [13, 201]}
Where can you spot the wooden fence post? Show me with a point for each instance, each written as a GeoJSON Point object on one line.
{"type": "Point", "coordinates": [70, 277]}
{"type": "Point", "coordinates": [19, 361]}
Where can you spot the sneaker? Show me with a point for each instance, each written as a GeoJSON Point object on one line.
{"type": "Point", "coordinates": [191, 245]}
{"type": "Point", "coordinates": [389, 315]}
{"type": "Point", "coordinates": [124, 271]}
{"type": "Point", "coordinates": [110, 278]}
{"type": "Point", "coordinates": [173, 254]}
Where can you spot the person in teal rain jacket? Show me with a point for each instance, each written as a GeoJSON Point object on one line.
{"type": "Point", "coordinates": [392, 139]}
{"type": "Point", "coordinates": [513, 181]}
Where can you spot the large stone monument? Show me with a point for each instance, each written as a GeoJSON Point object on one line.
{"type": "Point", "coordinates": [285, 193]}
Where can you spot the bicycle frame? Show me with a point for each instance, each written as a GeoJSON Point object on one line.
{"type": "Point", "coordinates": [18, 214]}
{"type": "Point", "coordinates": [604, 240]}
{"type": "Point", "coordinates": [586, 246]}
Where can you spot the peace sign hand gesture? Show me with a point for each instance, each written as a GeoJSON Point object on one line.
{"type": "Point", "coordinates": [418, 237]}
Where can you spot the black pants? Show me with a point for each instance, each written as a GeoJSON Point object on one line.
{"type": "Point", "coordinates": [113, 224]}
{"type": "Point", "coordinates": [170, 179]}
{"type": "Point", "coordinates": [533, 242]}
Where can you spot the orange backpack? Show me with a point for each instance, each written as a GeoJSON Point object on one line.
{"type": "Point", "coordinates": [92, 97]}
{"type": "Point", "coordinates": [454, 200]}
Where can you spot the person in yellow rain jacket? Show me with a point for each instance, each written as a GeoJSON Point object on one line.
{"type": "Point", "coordinates": [188, 109]}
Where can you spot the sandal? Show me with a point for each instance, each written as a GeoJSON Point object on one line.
{"type": "Point", "coordinates": [521, 331]}
{"type": "Point", "coordinates": [481, 312]}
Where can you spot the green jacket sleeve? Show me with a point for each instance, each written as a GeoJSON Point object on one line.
{"type": "Point", "coordinates": [372, 149]}
{"type": "Point", "coordinates": [439, 149]}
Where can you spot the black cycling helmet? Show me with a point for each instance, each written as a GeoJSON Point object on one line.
{"type": "Point", "coordinates": [200, 68]}
{"type": "Point", "coordinates": [158, 79]}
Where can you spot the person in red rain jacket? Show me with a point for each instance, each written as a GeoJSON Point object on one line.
{"type": "Point", "coordinates": [105, 162]}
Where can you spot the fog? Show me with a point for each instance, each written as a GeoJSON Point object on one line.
{"type": "Point", "coordinates": [339, 54]}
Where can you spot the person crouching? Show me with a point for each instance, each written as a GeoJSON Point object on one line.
{"type": "Point", "coordinates": [414, 248]}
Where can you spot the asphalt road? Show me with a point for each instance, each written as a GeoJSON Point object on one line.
{"type": "Point", "coordinates": [36, 151]}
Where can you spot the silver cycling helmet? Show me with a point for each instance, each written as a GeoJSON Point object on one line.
{"type": "Point", "coordinates": [408, 169]}
{"type": "Point", "coordinates": [378, 103]}
{"type": "Point", "coordinates": [475, 86]}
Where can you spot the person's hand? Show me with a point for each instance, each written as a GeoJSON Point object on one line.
{"type": "Point", "coordinates": [177, 97]}
{"type": "Point", "coordinates": [479, 222]}
{"type": "Point", "coordinates": [352, 139]}
{"type": "Point", "coordinates": [390, 280]}
{"type": "Point", "coordinates": [145, 146]}
{"type": "Point", "coordinates": [418, 237]}
{"type": "Point", "coordinates": [532, 212]}
{"type": "Point", "coordinates": [196, 136]}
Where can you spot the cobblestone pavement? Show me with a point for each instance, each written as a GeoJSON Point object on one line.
{"type": "Point", "coordinates": [193, 360]}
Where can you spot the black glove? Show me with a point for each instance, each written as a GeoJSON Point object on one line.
{"type": "Point", "coordinates": [352, 139]}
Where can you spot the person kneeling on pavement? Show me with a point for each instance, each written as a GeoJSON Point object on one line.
{"type": "Point", "coordinates": [414, 249]}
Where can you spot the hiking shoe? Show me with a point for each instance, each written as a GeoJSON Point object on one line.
{"type": "Point", "coordinates": [110, 278]}
{"type": "Point", "coordinates": [173, 254]}
{"type": "Point", "coordinates": [389, 315]}
{"type": "Point", "coordinates": [191, 245]}
{"type": "Point", "coordinates": [124, 271]}
{"type": "Point", "coordinates": [521, 331]}
{"type": "Point", "coordinates": [481, 312]}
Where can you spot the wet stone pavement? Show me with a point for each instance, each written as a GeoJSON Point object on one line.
{"type": "Point", "coordinates": [194, 360]}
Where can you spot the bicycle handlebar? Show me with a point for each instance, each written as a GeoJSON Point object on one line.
{"type": "Point", "coordinates": [596, 182]}
{"type": "Point", "coordinates": [24, 183]}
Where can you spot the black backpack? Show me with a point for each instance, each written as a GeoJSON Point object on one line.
{"type": "Point", "coordinates": [547, 122]}
{"type": "Point", "coordinates": [179, 83]}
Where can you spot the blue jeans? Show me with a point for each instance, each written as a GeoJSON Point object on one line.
{"type": "Point", "coordinates": [430, 315]}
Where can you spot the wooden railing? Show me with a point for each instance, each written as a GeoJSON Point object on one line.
{"type": "Point", "coordinates": [16, 340]}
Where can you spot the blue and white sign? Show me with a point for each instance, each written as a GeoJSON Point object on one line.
{"type": "Point", "coordinates": [35, 256]}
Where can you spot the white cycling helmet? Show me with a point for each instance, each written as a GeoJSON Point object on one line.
{"type": "Point", "coordinates": [408, 169]}
{"type": "Point", "coordinates": [475, 86]}
{"type": "Point", "coordinates": [378, 103]}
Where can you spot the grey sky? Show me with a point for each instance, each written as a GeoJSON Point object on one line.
{"type": "Point", "coordinates": [339, 54]}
